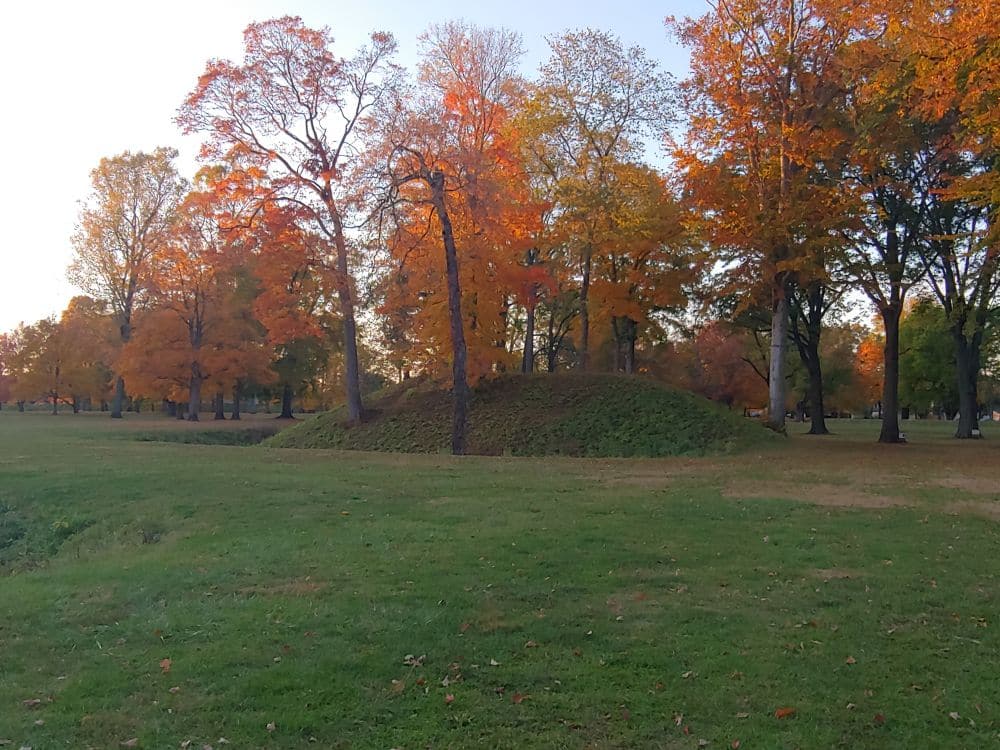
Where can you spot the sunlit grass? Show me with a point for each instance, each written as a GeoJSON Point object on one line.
{"type": "Point", "coordinates": [625, 603]}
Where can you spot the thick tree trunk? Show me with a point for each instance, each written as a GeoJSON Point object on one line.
{"type": "Point", "coordinates": [20, 406]}
{"type": "Point", "coordinates": [118, 400]}
{"type": "Point", "coordinates": [585, 310]}
{"type": "Point", "coordinates": [776, 372]}
{"type": "Point", "coordinates": [460, 386]}
{"type": "Point", "coordinates": [194, 404]}
{"type": "Point", "coordinates": [967, 366]}
{"type": "Point", "coordinates": [236, 401]}
{"type": "Point", "coordinates": [352, 372]}
{"type": "Point", "coordinates": [817, 418]}
{"type": "Point", "coordinates": [180, 410]}
{"type": "Point", "coordinates": [55, 404]}
{"type": "Point", "coordinates": [890, 384]}
{"type": "Point", "coordinates": [286, 402]}
{"type": "Point", "coordinates": [76, 404]}
{"type": "Point", "coordinates": [220, 412]}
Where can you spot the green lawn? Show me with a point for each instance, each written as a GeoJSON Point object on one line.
{"type": "Point", "coordinates": [566, 603]}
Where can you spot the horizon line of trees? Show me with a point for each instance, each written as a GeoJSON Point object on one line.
{"type": "Point", "coordinates": [352, 223]}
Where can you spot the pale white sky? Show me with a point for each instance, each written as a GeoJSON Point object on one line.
{"type": "Point", "coordinates": [82, 80]}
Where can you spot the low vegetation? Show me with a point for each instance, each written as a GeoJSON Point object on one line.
{"type": "Point", "coordinates": [569, 414]}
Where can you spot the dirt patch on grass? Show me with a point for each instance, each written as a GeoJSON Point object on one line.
{"type": "Point", "coordinates": [975, 485]}
{"type": "Point", "coordinates": [296, 587]}
{"type": "Point", "coordinates": [974, 508]}
{"type": "Point", "coordinates": [835, 574]}
{"type": "Point", "coordinates": [831, 495]}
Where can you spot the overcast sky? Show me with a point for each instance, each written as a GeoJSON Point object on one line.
{"type": "Point", "coordinates": [83, 80]}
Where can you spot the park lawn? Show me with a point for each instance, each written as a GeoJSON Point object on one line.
{"type": "Point", "coordinates": [169, 592]}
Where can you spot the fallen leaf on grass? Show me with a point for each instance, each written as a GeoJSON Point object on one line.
{"type": "Point", "coordinates": [464, 626]}
{"type": "Point", "coordinates": [174, 690]}
{"type": "Point", "coordinates": [735, 744]}
{"type": "Point", "coordinates": [954, 716]}
{"type": "Point", "coordinates": [879, 719]}
{"type": "Point", "coordinates": [31, 703]}
{"type": "Point", "coordinates": [398, 686]}
{"type": "Point", "coordinates": [449, 699]}
{"type": "Point", "coordinates": [742, 715]}
{"type": "Point", "coordinates": [165, 665]}
{"type": "Point", "coordinates": [687, 675]}
{"type": "Point", "coordinates": [678, 720]}
{"type": "Point", "coordinates": [517, 698]}
{"type": "Point", "coordinates": [686, 729]}
{"type": "Point", "coordinates": [494, 663]}
{"type": "Point", "coordinates": [784, 713]}
{"type": "Point", "coordinates": [531, 644]}
{"type": "Point", "coordinates": [850, 660]}
{"type": "Point", "coordinates": [702, 743]}
{"type": "Point", "coordinates": [271, 726]}
{"type": "Point", "coordinates": [414, 661]}
{"type": "Point", "coordinates": [134, 742]}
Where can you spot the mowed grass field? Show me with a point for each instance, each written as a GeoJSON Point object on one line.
{"type": "Point", "coordinates": [154, 594]}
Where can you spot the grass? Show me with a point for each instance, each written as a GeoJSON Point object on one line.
{"type": "Point", "coordinates": [625, 603]}
{"type": "Point", "coordinates": [541, 415]}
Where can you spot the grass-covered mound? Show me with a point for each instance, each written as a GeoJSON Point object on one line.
{"type": "Point", "coordinates": [540, 415]}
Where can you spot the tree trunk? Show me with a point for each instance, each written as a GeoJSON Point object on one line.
{"type": "Point", "coordinates": [528, 361]}
{"type": "Point", "coordinates": [967, 366]}
{"type": "Point", "coordinates": [631, 330]}
{"type": "Point", "coordinates": [180, 410]}
{"type": "Point", "coordinates": [20, 406]}
{"type": "Point", "coordinates": [776, 372]}
{"type": "Point", "coordinates": [220, 412]}
{"type": "Point", "coordinates": [352, 376]}
{"type": "Point", "coordinates": [551, 351]}
{"type": "Point", "coordinates": [76, 404]}
{"type": "Point", "coordinates": [584, 311]}
{"type": "Point", "coordinates": [286, 402]}
{"type": "Point", "coordinates": [236, 401]}
{"type": "Point", "coordinates": [460, 386]}
{"type": "Point", "coordinates": [817, 418]}
{"type": "Point", "coordinates": [618, 364]}
{"type": "Point", "coordinates": [194, 405]}
{"type": "Point", "coordinates": [118, 400]}
{"type": "Point", "coordinates": [55, 404]}
{"type": "Point", "coordinates": [890, 384]}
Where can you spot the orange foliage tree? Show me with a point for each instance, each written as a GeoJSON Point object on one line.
{"type": "Point", "coordinates": [299, 113]}
{"type": "Point", "coordinates": [453, 172]}
{"type": "Point", "coordinates": [123, 223]}
{"type": "Point", "coordinates": [766, 78]}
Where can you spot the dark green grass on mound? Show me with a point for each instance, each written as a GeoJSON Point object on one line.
{"type": "Point", "coordinates": [539, 415]}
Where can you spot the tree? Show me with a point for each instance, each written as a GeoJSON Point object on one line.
{"type": "Point", "coordinates": [869, 369]}
{"type": "Point", "coordinates": [927, 360]}
{"type": "Point", "coordinates": [299, 113]}
{"type": "Point", "coordinates": [123, 223]}
{"type": "Point", "coordinates": [765, 80]}
{"type": "Point", "coordinates": [452, 171]}
{"type": "Point", "coordinates": [589, 114]}
{"type": "Point", "coordinates": [61, 360]}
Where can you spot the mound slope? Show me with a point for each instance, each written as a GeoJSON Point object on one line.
{"type": "Point", "coordinates": [538, 415]}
